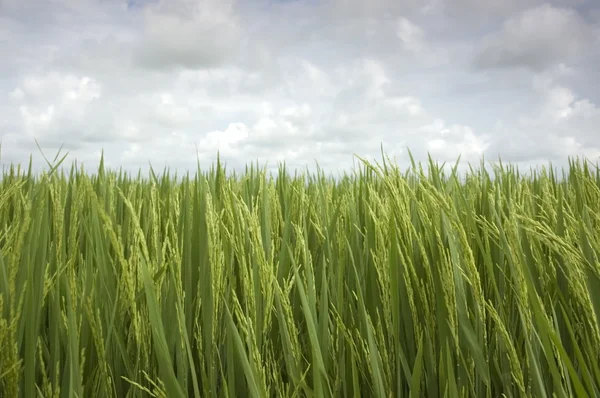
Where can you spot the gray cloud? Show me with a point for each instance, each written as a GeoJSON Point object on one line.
{"type": "Point", "coordinates": [362, 10]}
{"type": "Point", "coordinates": [483, 12]}
{"type": "Point", "coordinates": [296, 81]}
{"type": "Point", "coordinates": [189, 34]}
{"type": "Point", "coordinates": [537, 38]}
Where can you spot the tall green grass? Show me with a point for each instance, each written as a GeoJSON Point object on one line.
{"type": "Point", "coordinates": [383, 283]}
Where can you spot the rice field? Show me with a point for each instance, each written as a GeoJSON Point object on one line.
{"type": "Point", "coordinates": [381, 283]}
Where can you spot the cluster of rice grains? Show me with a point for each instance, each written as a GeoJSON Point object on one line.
{"type": "Point", "coordinates": [380, 283]}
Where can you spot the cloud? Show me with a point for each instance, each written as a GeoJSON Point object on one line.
{"type": "Point", "coordinates": [375, 8]}
{"type": "Point", "coordinates": [69, 109]}
{"type": "Point", "coordinates": [189, 34]}
{"type": "Point", "coordinates": [54, 108]}
{"type": "Point", "coordinates": [302, 81]}
{"type": "Point", "coordinates": [485, 11]}
{"type": "Point", "coordinates": [411, 35]}
{"type": "Point", "coordinates": [560, 125]}
{"type": "Point", "coordinates": [537, 38]}
{"type": "Point", "coordinates": [359, 117]}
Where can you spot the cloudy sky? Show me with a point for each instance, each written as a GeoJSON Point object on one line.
{"type": "Point", "coordinates": [305, 81]}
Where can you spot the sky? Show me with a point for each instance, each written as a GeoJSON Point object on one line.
{"type": "Point", "coordinates": [173, 82]}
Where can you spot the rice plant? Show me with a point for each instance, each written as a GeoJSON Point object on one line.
{"type": "Point", "coordinates": [381, 283]}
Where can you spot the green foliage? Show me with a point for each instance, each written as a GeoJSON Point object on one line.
{"type": "Point", "coordinates": [378, 284]}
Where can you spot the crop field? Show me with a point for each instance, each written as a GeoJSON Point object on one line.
{"type": "Point", "coordinates": [380, 283]}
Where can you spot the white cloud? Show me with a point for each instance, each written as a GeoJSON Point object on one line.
{"type": "Point", "coordinates": [560, 125]}
{"type": "Point", "coordinates": [448, 143]}
{"type": "Point", "coordinates": [53, 107]}
{"type": "Point", "coordinates": [411, 35]}
{"type": "Point", "coordinates": [297, 81]}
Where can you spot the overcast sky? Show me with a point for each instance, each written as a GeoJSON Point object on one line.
{"type": "Point", "coordinates": [163, 81]}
